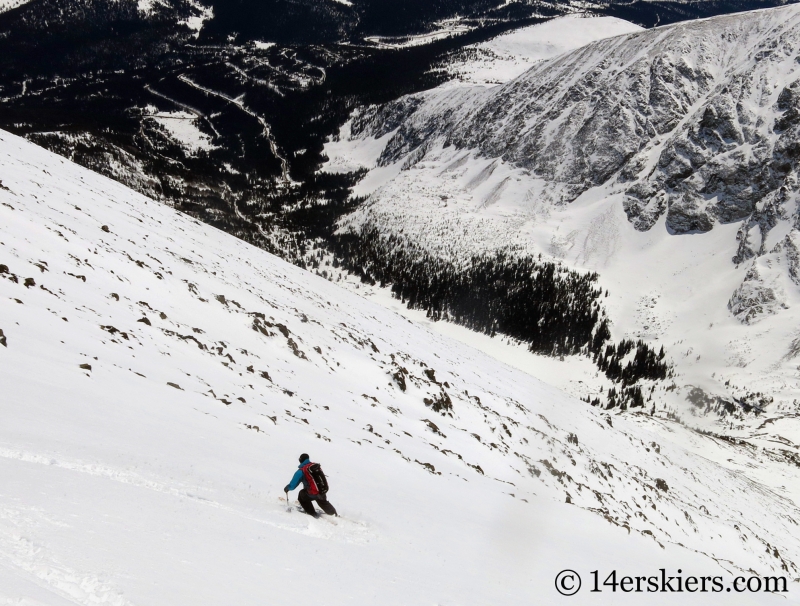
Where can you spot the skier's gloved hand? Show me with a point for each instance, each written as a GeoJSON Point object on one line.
{"type": "Point", "coordinates": [286, 489]}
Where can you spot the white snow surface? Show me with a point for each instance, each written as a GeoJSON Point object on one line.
{"type": "Point", "coordinates": [160, 377]}
{"type": "Point", "coordinates": [507, 56]}
{"type": "Point", "coordinates": [347, 153]}
{"type": "Point", "coordinates": [181, 126]}
{"type": "Point", "coordinates": [445, 28]}
{"type": "Point", "coordinates": [7, 5]}
{"type": "Point", "coordinates": [196, 21]}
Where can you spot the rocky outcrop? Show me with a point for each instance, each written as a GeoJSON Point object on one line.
{"type": "Point", "coordinates": [754, 299]}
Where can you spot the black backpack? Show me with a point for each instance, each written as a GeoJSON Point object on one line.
{"type": "Point", "coordinates": [316, 473]}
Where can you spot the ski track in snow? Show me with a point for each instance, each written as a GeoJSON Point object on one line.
{"type": "Point", "coordinates": [20, 553]}
{"type": "Point", "coordinates": [304, 525]}
{"type": "Point", "coordinates": [159, 378]}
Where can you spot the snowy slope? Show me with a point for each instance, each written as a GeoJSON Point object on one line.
{"type": "Point", "coordinates": [160, 377]}
{"type": "Point", "coordinates": [665, 160]}
{"type": "Point", "coordinates": [507, 56]}
{"type": "Point", "coordinates": [7, 5]}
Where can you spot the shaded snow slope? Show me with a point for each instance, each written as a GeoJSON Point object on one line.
{"type": "Point", "coordinates": [160, 377]}
{"type": "Point", "coordinates": [666, 160]}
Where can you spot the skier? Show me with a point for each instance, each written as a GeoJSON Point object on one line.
{"type": "Point", "coordinates": [315, 487]}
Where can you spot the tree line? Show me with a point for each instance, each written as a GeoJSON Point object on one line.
{"type": "Point", "coordinates": [554, 310]}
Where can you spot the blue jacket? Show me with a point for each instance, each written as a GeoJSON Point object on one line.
{"type": "Point", "coordinates": [297, 478]}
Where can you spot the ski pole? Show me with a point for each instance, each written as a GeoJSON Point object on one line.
{"type": "Point", "coordinates": [288, 507]}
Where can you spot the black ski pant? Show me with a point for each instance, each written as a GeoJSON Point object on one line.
{"type": "Point", "coordinates": [307, 501]}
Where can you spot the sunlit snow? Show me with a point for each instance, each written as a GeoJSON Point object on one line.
{"type": "Point", "coordinates": [7, 5]}
{"type": "Point", "coordinates": [182, 127]}
{"type": "Point", "coordinates": [507, 56]}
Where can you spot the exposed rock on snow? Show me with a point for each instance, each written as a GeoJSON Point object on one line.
{"type": "Point", "coordinates": [7, 5]}
{"type": "Point", "coordinates": [754, 299]}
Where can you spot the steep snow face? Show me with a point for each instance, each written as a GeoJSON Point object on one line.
{"type": "Point", "coordinates": [160, 378]}
{"type": "Point", "coordinates": [665, 160]}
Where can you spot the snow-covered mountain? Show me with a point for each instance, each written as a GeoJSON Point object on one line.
{"type": "Point", "coordinates": [159, 378]}
{"type": "Point", "coordinates": [504, 57]}
{"type": "Point", "coordinates": [665, 160]}
{"type": "Point", "coordinates": [669, 113]}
